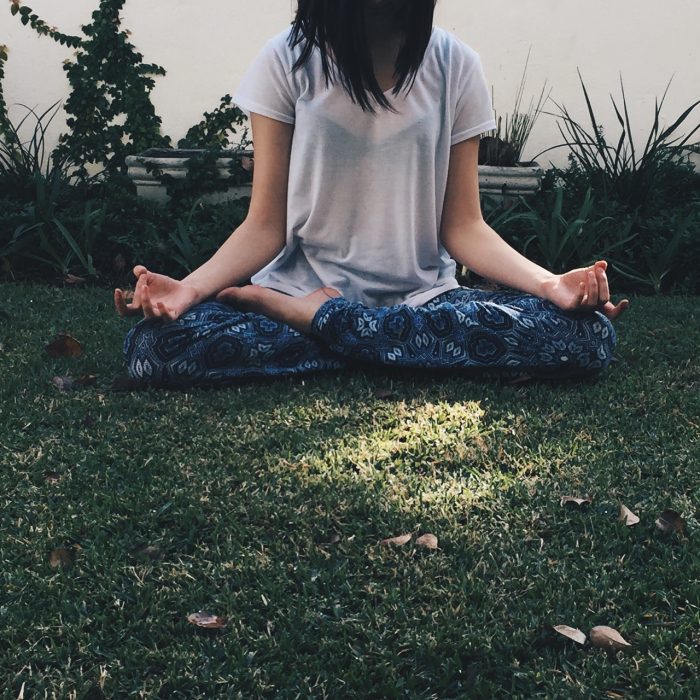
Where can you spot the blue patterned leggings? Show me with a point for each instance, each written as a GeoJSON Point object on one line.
{"type": "Point", "coordinates": [461, 329]}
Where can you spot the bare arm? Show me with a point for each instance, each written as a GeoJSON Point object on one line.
{"type": "Point", "coordinates": [473, 243]}
{"type": "Point", "coordinates": [256, 242]}
{"type": "Point", "coordinates": [260, 238]}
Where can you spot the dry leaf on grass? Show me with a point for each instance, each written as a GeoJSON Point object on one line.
{"type": "Point", "coordinates": [627, 516]}
{"type": "Point", "coordinates": [670, 521]}
{"type": "Point", "coordinates": [210, 622]}
{"type": "Point", "coordinates": [428, 541]}
{"type": "Point", "coordinates": [62, 558]}
{"type": "Point", "coordinates": [571, 632]}
{"type": "Point", "coordinates": [608, 638]}
{"type": "Point", "coordinates": [70, 383]}
{"type": "Point", "coordinates": [398, 541]}
{"type": "Point", "coordinates": [64, 345]}
{"type": "Point", "coordinates": [576, 500]}
{"type": "Point", "coordinates": [52, 477]}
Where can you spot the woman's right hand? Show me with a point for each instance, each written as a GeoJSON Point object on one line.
{"type": "Point", "coordinates": [156, 296]}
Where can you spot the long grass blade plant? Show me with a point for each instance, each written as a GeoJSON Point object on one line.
{"type": "Point", "coordinates": [619, 169]}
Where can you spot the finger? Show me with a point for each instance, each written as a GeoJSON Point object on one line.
{"type": "Point", "coordinates": [592, 288]}
{"type": "Point", "coordinates": [119, 303]}
{"type": "Point", "coordinates": [613, 311]}
{"type": "Point", "coordinates": [140, 270]}
{"type": "Point", "coordinates": [123, 309]}
{"type": "Point", "coordinates": [146, 305]}
{"type": "Point", "coordinates": [582, 295]}
{"type": "Point", "coordinates": [603, 287]}
{"type": "Point", "coordinates": [165, 312]}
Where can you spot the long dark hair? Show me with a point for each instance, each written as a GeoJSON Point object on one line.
{"type": "Point", "coordinates": [338, 28]}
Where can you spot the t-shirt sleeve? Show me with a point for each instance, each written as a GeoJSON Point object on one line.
{"type": "Point", "coordinates": [268, 87]}
{"type": "Point", "coordinates": [473, 109]}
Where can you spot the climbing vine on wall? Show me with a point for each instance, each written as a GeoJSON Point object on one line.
{"type": "Point", "coordinates": [110, 113]}
{"type": "Point", "coordinates": [5, 127]}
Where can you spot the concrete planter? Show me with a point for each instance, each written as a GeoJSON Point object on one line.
{"type": "Point", "coordinates": [173, 162]}
{"type": "Point", "coordinates": [507, 183]}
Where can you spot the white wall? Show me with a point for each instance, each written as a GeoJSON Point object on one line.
{"type": "Point", "coordinates": [205, 45]}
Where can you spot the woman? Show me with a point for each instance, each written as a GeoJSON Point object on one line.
{"type": "Point", "coordinates": [366, 124]}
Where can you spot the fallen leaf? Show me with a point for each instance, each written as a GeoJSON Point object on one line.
{"type": "Point", "coordinates": [68, 383]}
{"type": "Point", "coordinates": [398, 541]}
{"type": "Point", "coordinates": [62, 557]}
{"type": "Point", "coordinates": [608, 638]}
{"type": "Point", "coordinates": [627, 516]}
{"type": "Point", "coordinates": [670, 521]}
{"type": "Point", "coordinates": [428, 541]}
{"type": "Point", "coordinates": [52, 477]}
{"type": "Point", "coordinates": [64, 345]}
{"type": "Point", "coordinates": [382, 393]}
{"type": "Point", "coordinates": [571, 632]}
{"type": "Point", "coordinates": [73, 279]}
{"type": "Point", "coordinates": [210, 622]}
{"type": "Point", "coordinates": [576, 500]}
{"type": "Point", "coordinates": [63, 383]}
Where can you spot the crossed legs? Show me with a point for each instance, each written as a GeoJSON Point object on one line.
{"type": "Point", "coordinates": [273, 334]}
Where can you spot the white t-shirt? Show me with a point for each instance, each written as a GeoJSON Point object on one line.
{"type": "Point", "coordinates": [366, 191]}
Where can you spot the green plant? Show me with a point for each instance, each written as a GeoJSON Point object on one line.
{"type": "Point", "coordinates": [666, 255]}
{"type": "Point", "coordinates": [505, 145]}
{"type": "Point", "coordinates": [186, 253]}
{"type": "Point", "coordinates": [110, 114]}
{"type": "Point", "coordinates": [6, 132]}
{"type": "Point", "coordinates": [620, 169]}
{"type": "Point", "coordinates": [217, 128]}
{"type": "Point", "coordinates": [43, 238]}
{"type": "Point", "coordinates": [562, 243]}
{"type": "Point", "coordinates": [21, 159]}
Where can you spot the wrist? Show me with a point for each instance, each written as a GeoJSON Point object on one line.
{"type": "Point", "coordinates": [546, 284]}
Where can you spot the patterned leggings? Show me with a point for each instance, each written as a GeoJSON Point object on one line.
{"type": "Point", "coordinates": [461, 329]}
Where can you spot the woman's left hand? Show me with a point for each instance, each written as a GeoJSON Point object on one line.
{"type": "Point", "coordinates": [584, 288]}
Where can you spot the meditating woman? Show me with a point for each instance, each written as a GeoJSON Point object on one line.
{"type": "Point", "coordinates": [366, 122]}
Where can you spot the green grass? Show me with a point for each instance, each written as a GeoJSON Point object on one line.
{"type": "Point", "coordinates": [243, 490]}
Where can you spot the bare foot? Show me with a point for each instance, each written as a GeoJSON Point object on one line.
{"type": "Point", "coordinates": [297, 312]}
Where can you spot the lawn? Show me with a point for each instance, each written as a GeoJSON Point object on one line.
{"type": "Point", "coordinates": [266, 503]}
